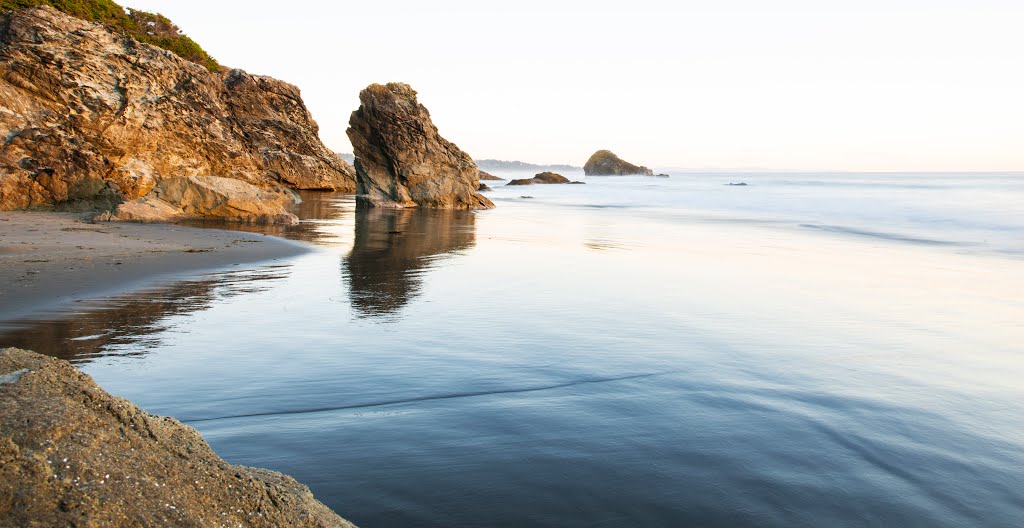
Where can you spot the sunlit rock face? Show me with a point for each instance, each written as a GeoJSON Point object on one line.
{"type": "Point", "coordinates": [606, 163]}
{"type": "Point", "coordinates": [92, 117]}
{"type": "Point", "coordinates": [402, 160]}
{"type": "Point", "coordinates": [208, 198]}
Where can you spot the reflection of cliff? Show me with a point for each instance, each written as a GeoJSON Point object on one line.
{"type": "Point", "coordinates": [319, 211]}
{"type": "Point", "coordinates": [394, 247]}
{"type": "Point", "coordinates": [129, 325]}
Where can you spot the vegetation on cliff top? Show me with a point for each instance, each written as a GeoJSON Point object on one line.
{"type": "Point", "coordinates": [142, 26]}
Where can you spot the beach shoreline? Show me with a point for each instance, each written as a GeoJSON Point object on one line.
{"type": "Point", "coordinates": [49, 260]}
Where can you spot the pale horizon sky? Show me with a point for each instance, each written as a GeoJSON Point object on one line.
{"type": "Point", "coordinates": [902, 85]}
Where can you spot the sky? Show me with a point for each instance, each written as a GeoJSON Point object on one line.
{"type": "Point", "coordinates": [860, 85]}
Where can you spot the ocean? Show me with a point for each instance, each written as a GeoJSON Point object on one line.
{"type": "Point", "coordinates": [809, 349]}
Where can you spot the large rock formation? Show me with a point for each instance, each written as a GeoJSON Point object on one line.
{"type": "Point", "coordinates": [606, 163]}
{"type": "Point", "coordinates": [72, 455]}
{"type": "Point", "coordinates": [90, 116]}
{"type": "Point", "coordinates": [402, 160]}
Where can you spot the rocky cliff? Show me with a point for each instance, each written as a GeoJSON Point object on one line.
{"type": "Point", "coordinates": [402, 160]}
{"type": "Point", "coordinates": [606, 163]}
{"type": "Point", "coordinates": [72, 455]}
{"type": "Point", "coordinates": [90, 117]}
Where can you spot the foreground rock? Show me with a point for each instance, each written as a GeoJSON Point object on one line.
{"type": "Point", "coordinates": [606, 163]}
{"type": "Point", "coordinates": [91, 118]}
{"type": "Point", "coordinates": [402, 160]}
{"type": "Point", "coordinates": [542, 178]}
{"type": "Point", "coordinates": [72, 455]}
{"type": "Point", "coordinates": [207, 198]}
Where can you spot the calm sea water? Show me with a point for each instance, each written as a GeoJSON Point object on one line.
{"type": "Point", "coordinates": [806, 350]}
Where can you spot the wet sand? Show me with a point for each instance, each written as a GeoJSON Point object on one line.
{"type": "Point", "coordinates": [48, 260]}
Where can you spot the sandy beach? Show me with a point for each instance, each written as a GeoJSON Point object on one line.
{"type": "Point", "coordinates": [50, 259]}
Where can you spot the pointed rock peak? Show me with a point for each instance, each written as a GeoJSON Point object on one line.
{"type": "Point", "coordinates": [402, 161]}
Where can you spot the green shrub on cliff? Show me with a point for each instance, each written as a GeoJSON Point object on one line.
{"type": "Point", "coordinates": [145, 27]}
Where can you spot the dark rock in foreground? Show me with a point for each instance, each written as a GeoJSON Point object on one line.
{"type": "Point", "coordinates": [92, 117]}
{"type": "Point", "coordinates": [73, 455]}
{"type": "Point", "coordinates": [402, 160]}
{"type": "Point", "coordinates": [542, 178]}
{"type": "Point", "coordinates": [606, 163]}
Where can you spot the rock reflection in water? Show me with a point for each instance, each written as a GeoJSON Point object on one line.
{"type": "Point", "coordinates": [392, 250]}
{"type": "Point", "coordinates": [130, 325]}
{"type": "Point", "coordinates": [325, 220]}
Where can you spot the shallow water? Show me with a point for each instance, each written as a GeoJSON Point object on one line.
{"type": "Point", "coordinates": [809, 349]}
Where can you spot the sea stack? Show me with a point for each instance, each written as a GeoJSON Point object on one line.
{"type": "Point", "coordinates": [92, 117]}
{"type": "Point", "coordinates": [606, 163]}
{"type": "Point", "coordinates": [402, 160]}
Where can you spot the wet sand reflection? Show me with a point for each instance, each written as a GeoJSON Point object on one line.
{"type": "Point", "coordinates": [130, 325]}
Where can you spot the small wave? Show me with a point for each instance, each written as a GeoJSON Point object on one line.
{"type": "Point", "coordinates": [435, 397]}
{"type": "Point", "coordinates": [879, 234]}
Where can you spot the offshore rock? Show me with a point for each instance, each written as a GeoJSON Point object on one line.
{"type": "Point", "coordinates": [402, 160]}
{"type": "Point", "coordinates": [542, 178]}
{"type": "Point", "coordinates": [606, 163]}
{"type": "Point", "coordinates": [550, 177]}
{"type": "Point", "coordinates": [73, 455]}
{"type": "Point", "coordinates": [90, 117]}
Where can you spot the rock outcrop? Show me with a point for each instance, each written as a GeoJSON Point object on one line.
{"type": "Point", "coordinates": [486, 176]}
{"type": "Point", "coordinates": [550, 177]}
{"type": "Point", "coordinates": [542, 178]}
{"type": "Point", "coordinates": [72, 455]}
{"type": "Point", "coordinates": [90, 117]}
{"type": "Point", "coordinates": [208, 198]}
{"type": "Point", "coordinates": [606, 163]}
{"type": "Point", "coordinates": [402, 160]}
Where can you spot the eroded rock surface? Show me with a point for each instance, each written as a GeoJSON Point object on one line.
{"type": "Point", "coordinates": [402, 160]}
{"type": "Point", "coordinates": [90, 117]}
{"type": "Point", "coordinates": [606, 163]}
{"type": "Point", "coordinates": [208, 198]}
{"type": "Point", "coordinates": [72, 455]}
